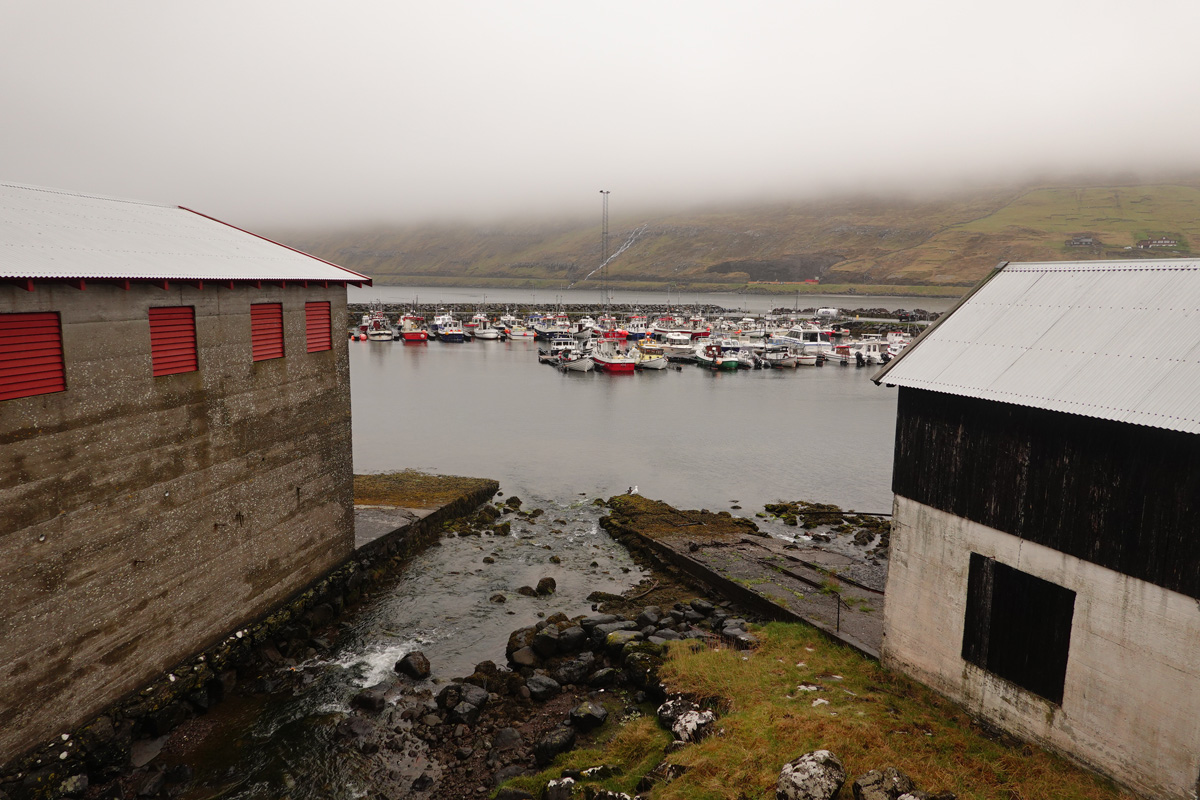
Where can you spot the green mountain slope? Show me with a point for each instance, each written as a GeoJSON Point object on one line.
{"type": "Point", "coordinates": [859, 242]}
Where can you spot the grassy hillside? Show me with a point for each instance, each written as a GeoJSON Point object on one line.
{"type": "Point", "coordinates": [948, 242]}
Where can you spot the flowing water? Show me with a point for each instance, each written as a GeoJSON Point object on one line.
{"type": "Point", "coordinates": [691, 437]}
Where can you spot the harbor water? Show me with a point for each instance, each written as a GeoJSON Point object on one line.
{"type": "Point", "coordinates": [691, 437]}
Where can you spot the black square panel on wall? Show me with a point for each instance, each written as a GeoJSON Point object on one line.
{"type": "Point", "coordinates": [1018, 626]}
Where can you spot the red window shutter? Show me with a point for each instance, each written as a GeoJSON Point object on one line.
{"type": "Point", "coordinates": [31, 355]}
{"type": "Point", "coordinates": [317, 326]}
{"type": "Point", "coordinates": [173, 340]}
{"type": "Point", "coordinates": [266, 330]}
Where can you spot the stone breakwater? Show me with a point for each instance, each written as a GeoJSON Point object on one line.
{"type": "Point", "coordinates": [114, 748]}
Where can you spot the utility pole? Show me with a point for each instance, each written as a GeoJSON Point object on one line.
{"type": "Point", "coordinates": [604, 247]}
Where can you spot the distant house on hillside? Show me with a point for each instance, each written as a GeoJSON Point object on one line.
{"type": "Point", "coordinates": [1082, 241]}
{"type": "Point", "coordinates": [1158, 241]}
{"type": "Point", "coordinates": [176, 459]}
{"type": "Point", "coordinates": [1045, 562]}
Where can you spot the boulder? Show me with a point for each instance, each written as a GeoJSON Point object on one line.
{"type": "Point", "coordinates": [571, 639]}
{"type": "Point", "coordinates": [546, 586]}
{"type": "Point", "coordinates": [600, 632]}
{"type": "Point", "coordinates": [604, 677]}
{"type": "Point", "coordinates": [373, 698]}
{"type": "Point", "coordinates": [587, 623]}
{"type": "Point", "coordinates": [813, 776]}
{"type": "Point", "coordinates": [559, 789]}
{"type": "Point", "coordinates": [521, 637]}
{"type": "Point", "coordinates": [415, 665]}
{"type": "Point", "coordinates": [545, 643]}
{"type": "Point", "coordinates": [465, 713]}
{"type": "Point", "coordinates": [703, 606]}
{"type": "Point", "coordinates": [528, 591]}
{"type": "Point", "coordinates": [692, 726]}
{"type": "Point", "coordinates": [557, 740]}
{"type": "Point", "coordinates": [673, 709]}
{"type": "Point", "coordinates": [525, 657]}
{"type": "Point", "coordinates": [616, 641]}
{"type": "Point", "coordinates": [542, 687]}
{"type": "Point", "coordinates": [507, 739]}
{"type": "Point", "coordinates": [576, 670]}
{"type": "Point", "coordinates": [886, 784]}
{"type": "Point", "coordinates": [651, 615]}
{"type": "Point", "coordinates": [588, 716]}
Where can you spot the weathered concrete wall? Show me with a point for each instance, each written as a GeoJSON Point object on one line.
{"type": "Point", "coordinates": [143, 518]}
{"type": "Point", "coordinates": [1130, 707]}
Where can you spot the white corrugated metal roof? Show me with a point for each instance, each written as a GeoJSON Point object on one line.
{"type": "Point", "coordinates": [47, 233]}
{"type": "Point", "coordinates": [1117, 340]}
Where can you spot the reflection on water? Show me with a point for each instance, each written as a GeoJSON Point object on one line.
{"type": "Point", "coordinates": [694, 438]}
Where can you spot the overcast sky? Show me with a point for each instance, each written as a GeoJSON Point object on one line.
{"type": "Point", "coordinates": [299, 112]}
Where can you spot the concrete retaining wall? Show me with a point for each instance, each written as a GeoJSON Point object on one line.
{"type": "Point", "coordinates": [144, 518]}
{"type": "Point", "coordinates": [1130, 707]}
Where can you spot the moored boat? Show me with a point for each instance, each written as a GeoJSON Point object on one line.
{"type": "Point", "coordinates": [412, 328]}
{"type": "Point", "coordinates": [450, 330]}
{"type": "Point", "coordinates": [710, 355]}
{"type": "Point", "coordinates": [608, 357]}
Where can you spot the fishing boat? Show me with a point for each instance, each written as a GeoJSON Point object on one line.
{"type": "Point", "coordinates": [484, 328]}
{"type": "Point", "coordinates": [518, 331]}
{"type": "Point", "coordinates": [676, 346]}
{"type": "Point", "coordinates": [412, 328]}
{"type": "Point", "coordinates": [607, 328]}
{"type": "Point", "coordinates": [649, 357]}
{"type": "Point", "coordinates": [710, 355]}
{"type": "Point", "coordinates": [378, 327]}
{"type": "Point", "coordinates": [608, 357]}
{"type": "Point", "coordinates": [435, 328]}
{"type": "Point", "coordinates": [577, 360]}
{"type": "Point", "coordinates": [637, 327]}
{"type": "Point", "coordinates": [549, 327]}
{"type": "Point", "coordinates": [558, 346]}
{"type": "Point", "coordinates": [780, 356]}
{"type": "Point", "coordinates": [807, 337]}
{"type": "Point", "coordinates": [584, 328]}
{"type": "Point", "coordinates": [451, 330]}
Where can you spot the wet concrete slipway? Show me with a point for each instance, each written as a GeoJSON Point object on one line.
{"type": "Point", "coordinates": [488, 409]}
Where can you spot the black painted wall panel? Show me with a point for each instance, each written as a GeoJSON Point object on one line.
{"type": "Point", "coordinates": [1122, 496]}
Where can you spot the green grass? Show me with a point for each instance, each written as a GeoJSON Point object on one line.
{"type": "Point", "coordinates": [874, 718]}
{"type": "Point", "coordinates": [633, 749]}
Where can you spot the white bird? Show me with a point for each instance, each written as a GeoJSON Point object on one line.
{"type": "Point", "coordinates": [632, 490]}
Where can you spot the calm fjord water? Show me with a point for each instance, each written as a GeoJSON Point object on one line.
{"type": "Point", "coordinates": [693, 438]}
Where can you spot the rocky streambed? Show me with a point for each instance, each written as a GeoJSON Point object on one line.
{"type": "Point", "coordinates": [526, 629]}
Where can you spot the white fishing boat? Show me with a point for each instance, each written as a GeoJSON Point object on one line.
{"type": "Point", "coordinates": [518, 331]}
{"type": "Point", "coordinates": [377, 325]}
{"type": "Point", "coordinates": [649, 356]}
{"type": "Point", "coordinates": [552, 351]}
{"type": "Point", "coordinates": [484, 328]}
{"type": "Point", "coordinates": [576, 361]}
{"type": "Point", "coordinates": [807, 337]}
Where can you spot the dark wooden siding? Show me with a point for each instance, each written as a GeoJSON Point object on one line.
{"type": "Point", "coordinates": [1122, 496]}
